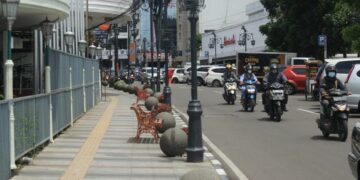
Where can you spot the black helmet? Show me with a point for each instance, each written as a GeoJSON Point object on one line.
{"type": "Point", "coordinates": [274, 68]}
{"type": "Point", "coordinates": [330, 71]}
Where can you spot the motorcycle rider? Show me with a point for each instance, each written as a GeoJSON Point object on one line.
{"type": "Point", "coordinates": [229, 73]}
{"type": "Point", "coordinates": [275, 76]}
{"type": "Point", "coordinates": [248, 75]}
{"type": "Point", "coordinates": [330, 81]}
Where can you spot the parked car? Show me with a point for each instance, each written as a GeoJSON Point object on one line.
{"type": "Point", "coordinates": [179, 75]}
{"type": "Point", "coordinates": [146, 74]}
{"type": "Point", "coordinates": [354, 155]}
{"type": "Point", "coordinates": [201, 74]}
{"type": "Point", "coordinates": [214, 76]}
{"type": "Point", "coordinates": [296, 76]}
{"type": "Point", "coordinates": [352, 83]}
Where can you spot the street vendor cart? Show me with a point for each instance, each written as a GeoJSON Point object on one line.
{"type": "Point", "coordinates": [311, 91]}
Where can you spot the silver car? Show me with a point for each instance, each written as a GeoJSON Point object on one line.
{"type": "Point", "coordinates": [353, 85]}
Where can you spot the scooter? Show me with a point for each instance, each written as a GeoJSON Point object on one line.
{"type": "Point", "coordinates": [337, 123]}
{"type": "Point", "coordinates": [230, 91]}
{"type": "Point", "coordinates": [250, 95]}
{"type": "Point", "coordinates": [274, 100]}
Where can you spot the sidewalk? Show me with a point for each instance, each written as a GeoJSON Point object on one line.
{"type": "Point", "coordinates": [100, 145]}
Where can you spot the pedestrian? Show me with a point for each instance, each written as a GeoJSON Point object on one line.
{"type": "Point", "coordinates": [170, 75]}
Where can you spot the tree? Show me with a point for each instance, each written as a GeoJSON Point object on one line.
{"type": "Point", "coordinates": [295, 26]}
{"type": "Point", "coordinates": [348, 11]}
{"type": "Point", "coordinates": [198, 42]}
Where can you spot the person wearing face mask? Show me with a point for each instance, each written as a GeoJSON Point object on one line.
{"type": "Point", "coordinates": [275, 76]}
{"type": "Point", "coordinates": [330, 81]}
{"type": "Point", "coordinates": [248, 76]}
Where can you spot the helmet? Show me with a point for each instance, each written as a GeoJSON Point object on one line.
{"type": "Point", "coordinates": [330, 71]}
{"type": "Point", "coordinates": [248, 68]}
{"type": "Point", "coordinates": [228, 66]}
{"type": "Point", "coordinates": [274, 68]}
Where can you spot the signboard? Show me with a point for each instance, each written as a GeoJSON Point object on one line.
{"type": "Point", "coordinates": [132, 53]}
{"type": "Point", "coordinates": [322, 40]}
{"type": "Point", "coordinates": [229, 41]}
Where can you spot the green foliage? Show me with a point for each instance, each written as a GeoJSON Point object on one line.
{"type": "Point", "coordinates": [295, 25]}
{"type": "Point", "coordinates": [2, 97]}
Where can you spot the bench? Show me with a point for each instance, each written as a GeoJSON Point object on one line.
{"type": "Point", "coordinates": [141, 94]}
{"type": "Point", "coordinates": [147, 123]}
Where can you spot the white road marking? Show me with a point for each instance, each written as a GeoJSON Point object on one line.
{"type": "Point", "coordinates": [221, 171]}
{"type": "Point", "coordinates": [217, 151]}
{"type": "Point", "coordinates": [304, 110]}
{"type": "Point", "coordinates": [215, 162]}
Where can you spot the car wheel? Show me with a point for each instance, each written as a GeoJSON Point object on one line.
{"type": "Point", "coordinates": [175, 81]}
{"type": "Point", "coordinates": [290, 88]}
{"type": "Point", "coordinates": [216, 83]}
{"type": "Point", "coordinates": [200, 81]}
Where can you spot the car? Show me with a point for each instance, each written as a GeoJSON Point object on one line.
{"type": "Point", "coordinates": [296, 76]}
{"type": "Point", "coordinates": [214, 76]}
{"type": "Point", "coordinates": [354, 155]}
{"type": "Point", "coordinates": [145, 74]}
{"type": "Point", "coordinates": [343, 66]}
{"type": "Point", "coordinates": [201, 74]}
{"type": "Point", "coordinates": [178, 75]}
{"type": "Point", "coordinates": [353, 86]}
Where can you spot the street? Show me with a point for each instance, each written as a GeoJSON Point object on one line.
{"type": "Point", "coordinates": [291, 149]}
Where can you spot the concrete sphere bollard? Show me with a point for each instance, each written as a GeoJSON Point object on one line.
{"type": "Point", "coordinates": [126, 88]}
{"type": "Point", "coordinates": [158, 94]}
{"type": "Point", "coordinates": [151, 102]}
{"type": "Point", "coordinates": [168, 121]}
{"type": "Point", "coordinates": [149, 91]}
{"type": "Point", "coordinates": [201, 174]}
{"type": "Point", "coordinates": [173, 142]}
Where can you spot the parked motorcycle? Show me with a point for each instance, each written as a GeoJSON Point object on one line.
{"type": "Point", "coordinates": [230, 91]}
{"type": "Point", "coordinates": [274, 99]}
{"type": "Point", "coordinates": [339, 111]}
{"type": "Point", "coordinates": [250, 95]}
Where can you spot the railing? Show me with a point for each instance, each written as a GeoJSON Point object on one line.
{"type": "Point", "coordinates": [75, 88]}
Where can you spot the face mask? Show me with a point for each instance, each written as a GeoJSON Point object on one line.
{"type": "Point", "coordinates": [274, 71]}
{"type": "Point", "coordinates": [332, 74]}
{"type": "Point", "coordinates": [249, 71]}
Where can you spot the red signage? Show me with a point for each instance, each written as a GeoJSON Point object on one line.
{"type": "Point", "coordinates": [229, 41]}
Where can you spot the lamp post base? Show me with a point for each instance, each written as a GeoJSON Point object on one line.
{"type": "Point", "coordinates": [167, 95]}
{"type": "Point", "coordinates": [152, 83]}
{"type": "Point", "coordinates": [195, 150]}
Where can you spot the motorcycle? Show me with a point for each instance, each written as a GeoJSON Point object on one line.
{"type": "Point", "coordinates": [230, 91]}
{"type": "Point", "coordinates": [338, 112]}
{"type": "Point", "coordinates": [274, 100]}
{"type": "Point", "coordinates": [250, 95]}
{"type": "Point", "coordinates": [129, 80]}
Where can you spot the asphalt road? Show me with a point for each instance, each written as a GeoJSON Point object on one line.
{"type": "Point", "coordinates": [291, 149]}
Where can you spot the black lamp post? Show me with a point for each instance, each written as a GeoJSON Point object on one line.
{"type": "Point", "coordinates": [144, 55]}
{"type": "Point", "coordinates": [116, 44]}
{"type": "Point", "coordinates": [244, 37]}
{"type": "Point", "coordinates": [195, 150]}
{"type": "Point", "coordinates": [167, 89]}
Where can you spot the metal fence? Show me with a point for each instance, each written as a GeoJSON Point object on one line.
{"type": "Point", "coordinates": [4, 141]}
{"type": "Point", "coordinates": [72, 91]}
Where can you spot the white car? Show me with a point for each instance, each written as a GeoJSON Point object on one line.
{"type": "Point", "coordinates": [352, 84]}
{"type": "Point", "coordinates": [178, 76]}
{"type": "Point", "coordinates": [214, 77]}
{"type": "Point", "coordinates": [343, 66]}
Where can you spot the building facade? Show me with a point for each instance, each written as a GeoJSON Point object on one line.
{"type": "Point", "coordinates": [220, 46]}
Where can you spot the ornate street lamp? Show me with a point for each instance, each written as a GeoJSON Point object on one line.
{"type": "Point", "coordinates": [195, 150]}
{"type": "Point", "coordinates": [214, 41]}
{"type": "Point", "coordinates": [244, 37]}
{"type": "Point", "coordinates": [46, 29]}
{"type": "Point", "coordinates": [9, 8]}
{"type": "Point", "coordinates": [92, 50]}
{"type": "Point", "coordinates": [69, 39]}
{"type": "Point", "coordinates": [82, 46]}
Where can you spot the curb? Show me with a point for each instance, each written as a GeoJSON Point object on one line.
{"type": "Point", "coordinates": [212, 147]}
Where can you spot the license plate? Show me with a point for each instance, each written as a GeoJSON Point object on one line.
{"type": "Point", "coordinates": [342, 98]}
{"type": "Point", "coordinates": [278, 91]}
{"type": "Point", "coordinates": [251, 90]}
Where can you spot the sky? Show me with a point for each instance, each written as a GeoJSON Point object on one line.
{"type": "Point", "coordinates": [221, 13]}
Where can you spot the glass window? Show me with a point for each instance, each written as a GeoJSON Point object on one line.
{"type": "Point", "coordinates": [300, 71]}
{"type": "Point", "coordinates": [344, 67]}
{"type": "Point", "coordinates": [180, 71]}
{"type": "Point", "coordinates": [203, 69]}
{"type": "Point", "coordinates": [219, 70]}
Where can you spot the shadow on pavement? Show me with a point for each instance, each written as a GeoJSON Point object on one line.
{"type": "Point", "coordinates": [322, 138]}
{"type": "Point", "coordinates": [141, 140]}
